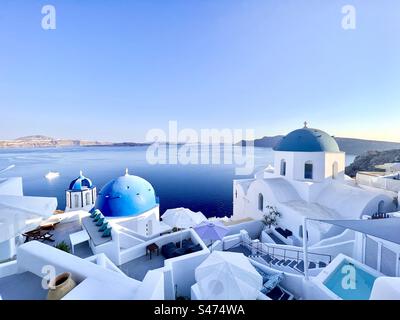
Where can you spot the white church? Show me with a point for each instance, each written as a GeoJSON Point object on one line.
{"type": "Point", "coordinates": [307, 181]}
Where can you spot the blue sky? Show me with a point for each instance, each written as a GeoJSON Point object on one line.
{"type": "Point", "coordinates": [112, 70]}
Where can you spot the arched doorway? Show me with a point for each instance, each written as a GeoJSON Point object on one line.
{"type": "Point", "coordinates": [381, 206]}
{"type": "Point", "coordinates": [283, 167]}
{"type": "Point", "coordinates": [335, 170]}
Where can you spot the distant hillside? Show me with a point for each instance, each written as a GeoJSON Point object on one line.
{"type": "Point", "coordinates": [369, 160]}
{"type": "Point", "coordinates": [348, 145]}
{"type": "Point", "coordinates": [39, 141]}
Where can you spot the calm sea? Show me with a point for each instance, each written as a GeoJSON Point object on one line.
{"type": "Point", "coordinates": [206, 187]}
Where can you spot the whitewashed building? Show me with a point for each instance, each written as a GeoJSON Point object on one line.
{"type": "Point", "coordinates": [307, 181]}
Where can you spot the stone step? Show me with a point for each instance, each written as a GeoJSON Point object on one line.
{"type": "Point", "coordinates": [267, 258]}
{"type": "Point", "coordinates": [280, 262]}
{"type": "Point", "coordinates": [287, 262]}
{"type": "Point", "coordinates": [300, 266]}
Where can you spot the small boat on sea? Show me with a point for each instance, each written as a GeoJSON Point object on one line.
{"type": "Point", "coordinates": [52, 175]}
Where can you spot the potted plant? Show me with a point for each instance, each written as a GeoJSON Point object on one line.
{"type": "Point", "coordinates": [60, 286]}
{"type": "Point", "coordinates": [271, 217]}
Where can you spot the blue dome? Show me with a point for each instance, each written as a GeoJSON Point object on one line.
{"type": "Point", "coordinates": [308, 140]}
{"type": "Point", "coordinates": [126, 196]}
{"type": "Point", "coordinates": [80, 183]}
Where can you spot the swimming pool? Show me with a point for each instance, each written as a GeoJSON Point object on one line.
{"type": "Point", "coordinates": [350, 282]}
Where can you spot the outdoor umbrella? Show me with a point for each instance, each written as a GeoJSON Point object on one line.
{"type": "Point", "coordinates": [228, 276]}
{"type": "Point", "coordinates": [182, 218]}
{"type": "Point", "coordinates": [20, 213]}
{"type": "Point", "coordinates": [211, 231]}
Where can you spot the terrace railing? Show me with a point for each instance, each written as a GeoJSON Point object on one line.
{"type": "Point", "coordinates": [282, 252]}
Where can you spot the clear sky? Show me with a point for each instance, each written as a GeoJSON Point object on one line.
{"type": "Point", "coordinates": [112, 70]}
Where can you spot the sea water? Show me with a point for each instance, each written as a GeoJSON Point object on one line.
{"type": "Point", "coordinates": [201, 187]}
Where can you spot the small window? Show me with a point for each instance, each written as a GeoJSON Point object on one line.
{"type": "Point", "coordinates": [283, 167]}
{"type": "Point", "coordinates": [88, 200]}
{"type": "Point", "coordinates": [236, 194]}
{"type": "Point", "coordinates": [260, 202]}
{"type": "Point", "coordinates": [308, 170]}
{"type": "Point", "coordinates": [76, 201]}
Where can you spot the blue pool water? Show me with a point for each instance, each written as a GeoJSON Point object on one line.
{"type": "Point", "coordinates": [203, 187]}
{"type": "Point", "coordinates": [362, 288]}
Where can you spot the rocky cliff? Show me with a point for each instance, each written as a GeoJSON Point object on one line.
{"type": "Point", "coordinates": [370, 159]}
{"type": "Point", "coordinates": [348, 145]}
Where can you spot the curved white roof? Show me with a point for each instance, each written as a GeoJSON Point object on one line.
{"type": "Point", "coordinates": [347, 200]}
{"type": "Point", "coordinates": [282, 190]}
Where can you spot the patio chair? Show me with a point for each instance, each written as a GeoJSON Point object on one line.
{"type": "Point", "coordinates": [168, 250]}
{"type": "Point", "coordinates": [186, 243]}
{"type": "Point", "coordinates": [193, 248]}
{"type": "Point", "coordinates": [46, 236]}
{"type": "Point", "coordinates": [32, 235]}
{"type": "Point", "coordinates": [38, 234]}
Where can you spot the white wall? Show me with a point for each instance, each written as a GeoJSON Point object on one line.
{"type": "Point", "coordinates": [33, 256]}
{"type": "Point", "coordinates": [386, 288]}
{"type": "Point", "coordinates": [11, 186]}
{"type": "Point", "coordinates": [152, 286]}
{"type": "Point", "coordinates": [239, 198]}
{"type": "Point", "coordinates": [111, 248]}
{"type": "Point", "coordinates": [253, 228]}
{"type": "Point", "coordinates": [289, 158]}
{"type": "Point", "coordinates": [145, 224]}
{"type": "Point", "coordinates": [322, 164]}
{"type": "Point", "coordinates": [8, 268]}
{"type": "Point", "coordinates": [183, 271]}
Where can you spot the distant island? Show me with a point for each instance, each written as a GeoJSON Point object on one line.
{"type": "Point", "coordinates": [39, 141]}
{"type": "Point", "coordinates": [348, 145]}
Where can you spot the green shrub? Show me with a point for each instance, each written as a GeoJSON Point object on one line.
{"type": "Point", "coordinates": [63, 246]}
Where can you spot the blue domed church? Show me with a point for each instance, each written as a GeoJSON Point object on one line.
{"type": "Point", "coordinates": [81, 194]}
{"type": "Point", "coordinates": [306, 180]}
{"type": "Point", "coordinates": [131, 202]}
{"type": "Point", "coordinates": [126, 196]}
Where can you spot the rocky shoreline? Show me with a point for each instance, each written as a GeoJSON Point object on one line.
{"type": "Point", "coordinates": [369, 160]}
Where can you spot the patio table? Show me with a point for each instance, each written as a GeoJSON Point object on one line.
{"type": "Point", "coordinates": [77, 238]}
{"type": "Point", "coordinates": [152, 248]}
